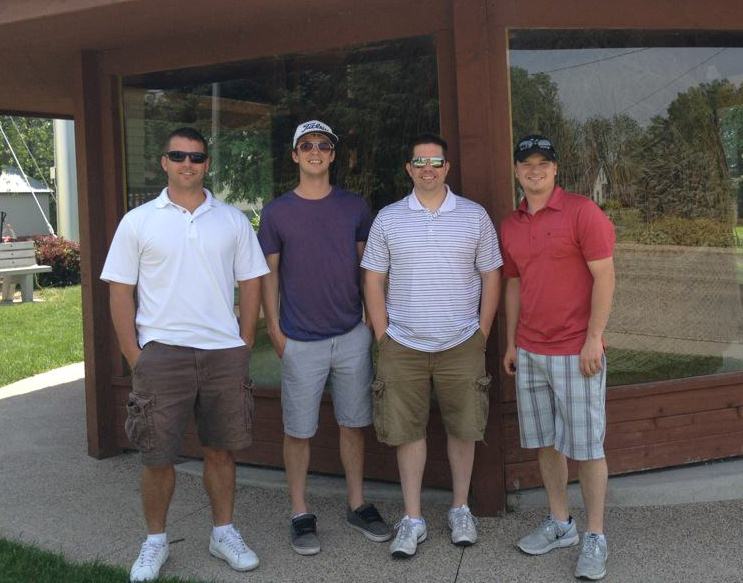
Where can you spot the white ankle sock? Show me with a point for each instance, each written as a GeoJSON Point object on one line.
{"type": "Point", "coordinates": [220, 531]}
{"type": "Point", "coordinates": [158, 539]}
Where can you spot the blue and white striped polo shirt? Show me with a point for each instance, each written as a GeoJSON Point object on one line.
{"type": "Point", "coordinates": [433, 261]}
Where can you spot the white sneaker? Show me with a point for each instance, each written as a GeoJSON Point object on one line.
{"type": "Point", "coordinates": [409, 534]}
{"type": "Point", "coordinates": [231, 548]}
{"type": "Point", "coordinates": [463, 526]}
{"type": "Point", "coordinates": [151, 557]}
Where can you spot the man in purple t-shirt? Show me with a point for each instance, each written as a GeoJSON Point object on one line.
{"type": "Point", "coordinates": [313, 238]}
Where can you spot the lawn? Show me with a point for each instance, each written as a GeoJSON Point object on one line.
{"type": "Point", "coordinates": [42, 335]}
{"type": "Point", "coordinates": [27, 564]}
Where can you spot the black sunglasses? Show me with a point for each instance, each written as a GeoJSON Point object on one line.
{"type": "Point", "coordinates": [541, 143]}
{"type": "Point", "coordinates": [179, 156]}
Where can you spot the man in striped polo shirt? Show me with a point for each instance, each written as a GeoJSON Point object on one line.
{"type": "Point", "coordinates": [558, 250]}
{"type": "Point", "coordinates": [436, 254]}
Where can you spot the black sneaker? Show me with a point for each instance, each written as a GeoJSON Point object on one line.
{"type": "Point", "coordinates": [367, 520]}
{"type": "Point", "coordinates": [304, 534]}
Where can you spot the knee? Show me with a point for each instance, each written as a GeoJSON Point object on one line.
{"type": "Point", "coordinates": [219, 457]}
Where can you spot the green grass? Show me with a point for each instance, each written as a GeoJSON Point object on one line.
{"type": "Point", "coordinates": [631, 366]}
{"type": "Point", "coordinates": [26, 564]}
{"type": "Point", "coordinates": [42, 335]}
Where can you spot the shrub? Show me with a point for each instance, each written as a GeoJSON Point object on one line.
{"type": "Point", "coordinates": [64, 258]}
{"type": "Point", "coordinates": [701, 232]}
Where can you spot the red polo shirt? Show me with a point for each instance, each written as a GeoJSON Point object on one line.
{"type": "Point", "coordinates": [548, 251]}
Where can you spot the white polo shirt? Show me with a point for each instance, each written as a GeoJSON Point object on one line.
{"type": "Point", "coordinates": [433, 261]}
{"type": "Point", "coordinates": [185, 266]}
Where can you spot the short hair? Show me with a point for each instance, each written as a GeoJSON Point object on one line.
{"type": "Point", "coordinates": [427, 138]}
{"type": "Point", "coordinates": [188, 133]}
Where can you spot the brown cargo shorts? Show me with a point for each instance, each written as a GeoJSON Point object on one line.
{"type": "Point", "coordinates": [171, 384]}
{"type": "Point", "coordinates": [406, 377]}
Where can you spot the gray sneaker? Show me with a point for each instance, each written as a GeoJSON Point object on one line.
{"type": "Point", "coordinates": [548, 536]}
{"type": "Point", "coordinates": [463, 526]}
{"type": "Point", "coordinates": [304, 534]}
{"type": "Point", "coordinates": [367, 520]}
{"type": "Point", "coordinates": [409, 534]}
{"type": "Point", "coordinates": [592, 558]}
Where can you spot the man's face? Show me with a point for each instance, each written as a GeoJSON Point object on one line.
{"type": "Point", "coordinates": [187, 174]}
{"type": "Point", "coordinates": [427, 179]}
{"type": "Point", "coordinates": [314, 161]}
{"type": "Point", "coordinates": [536, 174]}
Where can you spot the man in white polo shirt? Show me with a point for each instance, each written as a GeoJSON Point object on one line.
{"type": "Point", "coordinates": [182, 253]}
{"type": "Point", "coordinates": [438, 253]}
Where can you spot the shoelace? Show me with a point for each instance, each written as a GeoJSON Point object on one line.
{"type": "Point", "coordinates": [591, 545]}
{"type": "Point", "coordinates": [404, 528]}
{"type": "Point", "coordinates": [370, 514]}
{"type": "Point", "coordinates": [148, 554]}
{"type": "Point", "coordinates": [234, 541]}
{"type": "Point", "coordinates": [463, 520]}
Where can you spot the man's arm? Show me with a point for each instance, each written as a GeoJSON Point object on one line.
{"type": "Point", "coordinates": [123, 313]}
{"type": "Point", "coordinates": [270, 288]}
{"type": "Point", "coordinates": [376, 310]}
{"type": "Point", "coordinates": [601, 298]}
{"type": "Point", "coordinates": [250, 304]}
{"type": "Point", "coordinates": [513, 306]}
{"type": "Point", "coordinates": [489, 299]}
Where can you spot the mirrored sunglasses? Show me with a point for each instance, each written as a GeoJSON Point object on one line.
{"type": "Point", "coordinates": [309, 146]}
{"type": "Point", "coordinates": [434, 161]}
{"type": "Point", "coordinates": [179, 156]}
{"type": "Point", "coordinates": [542, 144]}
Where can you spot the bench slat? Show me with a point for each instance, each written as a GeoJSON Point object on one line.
{"type": "Point", "coordinates": [16, 254]}
{"type": "Point", "coordinates": [24, 269]}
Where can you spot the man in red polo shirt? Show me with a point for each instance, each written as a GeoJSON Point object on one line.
{"type": "Point", "coordinates": [557, 249]}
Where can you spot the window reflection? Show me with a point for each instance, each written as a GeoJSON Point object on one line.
{"type": "Point", "coordinates": [650, 126]}
{"type": "Point", "coordinates": [377, 97]}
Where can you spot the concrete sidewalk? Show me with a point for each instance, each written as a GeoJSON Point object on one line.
{"type": "Point", "coordinates": [55, 496]}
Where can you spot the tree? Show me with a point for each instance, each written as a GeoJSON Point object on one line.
{"type": "Point", "coordinates": [38, 135]}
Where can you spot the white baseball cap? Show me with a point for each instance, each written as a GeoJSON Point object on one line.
{"type": "Point", "coordinates": [313, 127]}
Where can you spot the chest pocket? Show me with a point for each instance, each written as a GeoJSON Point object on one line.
{"type": "Point", "coordinates": [559, 242]}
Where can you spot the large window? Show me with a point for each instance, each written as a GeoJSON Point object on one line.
{"type": "Point", "coordinates": [375, 97]}
{"type": "Point", "coordinates": [650, 126]}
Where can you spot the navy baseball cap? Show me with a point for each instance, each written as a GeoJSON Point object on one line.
{"type": "Point", "coordinates": [534, 144]}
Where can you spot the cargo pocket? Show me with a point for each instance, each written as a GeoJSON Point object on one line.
{"type": "Point", "coordinates": [482, 387]}
{"type": "Point", "coordinates": [248, 387]}
{"type": "Point", "coordinates": [379, 413]}
{"type": "Point", "coordinates": [139, 424]}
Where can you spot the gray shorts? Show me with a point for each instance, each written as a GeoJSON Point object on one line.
{"type": "Point", "coordinates": [306, 367]}
{"type": "Point", "coordinates": [560, 407]}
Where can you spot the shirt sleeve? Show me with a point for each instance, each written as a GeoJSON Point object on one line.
{"type": "Point", "coordinates": [268, 236]}
{"type": "Point", "coordinates": [377, 252]}
{"type": "Point", "coordinates": [362, 230]}
{"type": "Point", "coordinates": [249, 260]}
{"type": "Point", "coordinates": [122, 261]}
{"type": "Point", "coordinates": [488, 256]}
{"type": "Point", "coordinates": [510, 269]}
{"type": "Point", "coordinates": [595, 233]}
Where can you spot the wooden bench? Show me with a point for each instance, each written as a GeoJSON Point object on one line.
{"type": "Point", "coordinates": [18, 266]}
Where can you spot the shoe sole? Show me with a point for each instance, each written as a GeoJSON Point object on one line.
{"type": "Point", "coordinates": [403, 555]}
{"type": "Point", "coordinates": [306, 552]}
{"type": "Point", "coordinates": [377, 538]}
{"type": "Point", "coordinates": [560, 543]}
{"type": "Point", "coordinates": [219, 555]}
{"type": "Point", "coordinates": [592, 577]}
{"type": "Point", "coordinates": [464, 542]}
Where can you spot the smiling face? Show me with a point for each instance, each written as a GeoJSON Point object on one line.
{"type": "Point", "coordinates": [428, 180]}
{"type": "Point", "coordinates": [536, 175]}
{"type": "Point", "coordinates": [315, 162]}
{"type": "Point", "coordinates": [184, 175]}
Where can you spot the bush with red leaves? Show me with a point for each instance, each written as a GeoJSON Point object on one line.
{"type": "Point", "coordinates": [64, 258]}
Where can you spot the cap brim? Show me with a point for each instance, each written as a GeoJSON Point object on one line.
{"type": "Point", "coordinates": [333, 138]}
{"type": "Point", "coordinates": [524, 154]}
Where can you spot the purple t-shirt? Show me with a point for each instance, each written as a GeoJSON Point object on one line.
{"type": "Point", "coordinates": [319, 269]}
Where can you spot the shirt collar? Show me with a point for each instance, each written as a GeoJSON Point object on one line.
{"type": "Point", "coordinates": [555, 201]}
{"type": "Point", "coordinates": [449, 204]}
{"type": "Point", "coordinates": [163, 199]}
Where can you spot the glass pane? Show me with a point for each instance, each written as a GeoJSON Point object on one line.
{"type": "Point", "coordinates": [376, 97]}
{"type": "Point", "coordinates": [650, 126]}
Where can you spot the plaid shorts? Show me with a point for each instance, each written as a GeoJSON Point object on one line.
{"type": "Point", "coordinates": [560, 407]}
